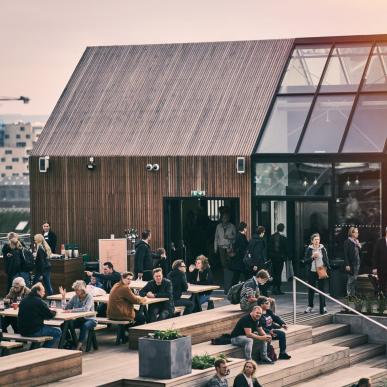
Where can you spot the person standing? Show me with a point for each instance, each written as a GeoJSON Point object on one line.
{"type": "Point", "coordinates": [278, 253]}
{"type": "Point", "coordinates": [257, 250]}
{"type": "Point", "coordinates": [143, 258]}
{"type": "Point", "coordinates": [42, 263]}
{"type": "Point", "coordinates": [380, 262]}
{"type": "Point", "coordinates": [240, 247]}
{"type": "Point", "coordinates": [159, 287]}
{"type": "Point", "coordinates": [162, 261]}
{"type": "Point", "coordinates": [219, 379]}
{"type": "Point", "coordinates": [352, 249]}
{"type": "Point", "coordinates": [225, 234]}
{"type": "Point", "coordinates": [247, 377]}
{"type": "Point", "coordinates": [49, 236]}
{"type": "Point", "coordinates": [316, 256]}
{"type": "Point", "coordinates": [32, 313]}
{"type": "Point", "coordinates": [179, 284]}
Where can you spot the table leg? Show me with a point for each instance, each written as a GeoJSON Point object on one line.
{"type": "Point", "coordinates": [144, 309]}
{"type": "Point", "coordinates": [65, 328]}
{"type": "Point", "coordinates": [73, 334]}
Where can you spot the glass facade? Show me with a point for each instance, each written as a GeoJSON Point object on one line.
{"type": "Point", "coordinates": [376, 77]}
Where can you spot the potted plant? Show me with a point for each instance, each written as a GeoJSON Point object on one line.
{"type": "Point", "coordinates": [202, 362]}
{"type": "Point", "coordinates": [165, 355]}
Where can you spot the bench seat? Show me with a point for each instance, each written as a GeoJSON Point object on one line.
{"type": "Point", "coordinates": [202, 326]}
{"type": "Point", "coordinates": [25, 339]}
{"type": "Point", "coordinates": [6, 346]}
{"type": "Point", "coordinates": [42, 366]}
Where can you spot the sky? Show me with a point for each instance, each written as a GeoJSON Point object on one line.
{"type": "Point", "coordinates": [41, 41]}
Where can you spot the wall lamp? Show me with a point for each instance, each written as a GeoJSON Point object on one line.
{"type": "Point", "coordinates": [152, 167]}
{"type": "Point", "coordinates": [44, 164]}
{"type": "Point", "coordinates": [91, 163]}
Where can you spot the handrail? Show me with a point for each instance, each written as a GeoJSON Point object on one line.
{"type": "Point", "coordinates": [295, 279]}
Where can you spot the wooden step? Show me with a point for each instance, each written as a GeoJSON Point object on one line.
{"type": "Point", "coordinates": [376, 362]}
{"type": "Point", "coordinates": [330, 331]}
{"type": "Point", "coordinates": [366, 351]}
{"type": "Point", "coordinates": [350, 340]}
{"type": "Point", "coordinates": [297, 336]}
{"type": "Point", "coordinates": [346, 377]}
{"type": "Point", "coordinates": [312, 319]}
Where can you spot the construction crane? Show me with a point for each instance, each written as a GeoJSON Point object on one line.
{"type": "Point", "coordinates": [21, 98]}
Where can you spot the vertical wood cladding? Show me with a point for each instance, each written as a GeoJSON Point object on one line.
{"type": "Point", "coordinates": [83, 206]}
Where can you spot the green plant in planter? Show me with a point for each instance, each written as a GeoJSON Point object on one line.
{"type": "Point", "coordinates": [202, 362]}
{"type": "Point", "coordinates": [359, 302]}
{"type": "Point", "coordinates": [382, 303]}
{"type": "Point", "coordinates": [369, 302]}
{"type": "Point", "coordinates": [167, 334]}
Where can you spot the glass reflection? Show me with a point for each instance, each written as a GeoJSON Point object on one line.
{"type": "Point", "coordinates": [376, 78]}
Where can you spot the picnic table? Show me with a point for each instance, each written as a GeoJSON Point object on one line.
{"type": "Point", "coordinates": [66, 317]}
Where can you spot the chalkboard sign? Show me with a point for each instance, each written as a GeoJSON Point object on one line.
{"type": "Point", "coordinates": [114, 251]}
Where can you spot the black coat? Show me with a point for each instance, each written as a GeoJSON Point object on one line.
{"type": "Point", "coordinates": [380, 257]}
{"type": "Point", "coordinates": [107, 280]}
{"type": "Point", "coordinates": [42, 264]}
{"type": "Point", "coordinates": [278, 247]}
{"type": "Point", "coordinates": [257, 249]}
{"type": "Point", "coordinates": [240, 247]}
{"type": "Point", "coordinates": [179, 283]}
{"type": "Point", "coordinates": [51, 240]}
{"type": "Point", "coordinates": [164, 290]}
{"type": "Point", "coordinates": [143, 258]}
{"type": "Point", "coordinates": [205, 278]}
{"type": "Point", "coordinates": [163, 263]}
{"type": "Point", "coordinates": [13, 260]}
{"type": "Point", "coordinates": [308, 257]}
{"type": "Point", "coordinates": [32, 313]}
{"type": "Point", "coordinates": [240, 381]}
{"type": "Point", "coordinates": [350, 254]}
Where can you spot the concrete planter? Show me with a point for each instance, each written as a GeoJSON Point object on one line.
{"type": "Point", "coordinates": [164, 359]}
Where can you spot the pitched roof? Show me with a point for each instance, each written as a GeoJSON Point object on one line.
{"type": "Point", "coordinates": [166, 100]}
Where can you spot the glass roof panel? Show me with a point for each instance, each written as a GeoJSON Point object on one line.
{"type": "Point", "coordinates": [327, 123]}
{"type": "Point", "coordinates": [368, 130]}
{"type": "Point", "coordinates": [285, 124]}
{"type": "Point", "coordinates": [304, 70]}
{"type": "Point", "coordinates": [376, 78]}
{"type": "Point", "coordinates": [345, 68]}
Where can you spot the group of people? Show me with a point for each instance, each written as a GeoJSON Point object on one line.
{"type": "Point", "coordinates": [20, 262]}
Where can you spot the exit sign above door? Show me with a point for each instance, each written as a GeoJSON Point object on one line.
{"type": "Point", "coordinates": [196, 194]}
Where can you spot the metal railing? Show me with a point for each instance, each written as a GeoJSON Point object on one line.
{"type": "Point", "coordinates": [295, 279]}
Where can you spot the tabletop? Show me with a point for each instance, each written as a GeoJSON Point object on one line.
{"type": "Point", "coordinates": [191, 288]}
{"type": "Point", "coordinates": [60, 314]}
{"type": "Point", "coordinates": [105, 299]}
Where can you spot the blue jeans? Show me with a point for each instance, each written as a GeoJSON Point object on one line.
{"type": "Point", "coordinates": [46, 279]}
{"type": "Point", "coordinates": [281, 337]}
{"type": "Point", "coordinates": [84, 326]}
{"type": "Point", "coordinates": [203, 298]}
{"type": "Point", "coordinates": [45, 330]}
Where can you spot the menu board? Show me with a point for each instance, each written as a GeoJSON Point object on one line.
{"type": "Point", "coordinates": [114, 251]}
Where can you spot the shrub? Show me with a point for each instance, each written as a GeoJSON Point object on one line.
{"type": "Point", "coordinates": [201, 362]}
{"type": "Point", "coordinates": [167, 334]}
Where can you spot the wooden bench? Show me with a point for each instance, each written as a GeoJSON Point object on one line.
{"type": "Point", "coordinates": [210, 302]}
{"type": "Point", "coordinates": [6, 346]}
{"type": "Point", "coordinates": [42, 366]}
{"type": "Point", "coordinates": [121, 327]}
{"type": "Point", "coordinates": [202, 326]}
{"type": "Point", "coordinates": [36, 342]}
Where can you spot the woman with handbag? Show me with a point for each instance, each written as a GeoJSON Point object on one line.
{"type": "Point", "coordinates": [317, 257]}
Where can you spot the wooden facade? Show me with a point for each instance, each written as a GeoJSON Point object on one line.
{"type": "Point", "coordinates": [84, 205]}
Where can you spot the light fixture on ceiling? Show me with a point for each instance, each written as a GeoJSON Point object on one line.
{"type": "Point", "coordinates": [315, 181]}
{"type": "Point", "coordinates": [305, 182]}
{"type": "Point", "coordinates": [91, 163]}
{"type": "Point", "coordinates": [357, 181]}
{"type": "Point", "coordinates": [348, 182]}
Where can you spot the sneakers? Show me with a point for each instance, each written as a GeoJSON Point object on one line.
{"type": "Point", "coordinates": [324, 311]}
{"type": "Point", "coordinates": [266, 360]}
{"type": "Point", "coordinates": [309, 309]}
{"type": "Point", "coordinates": [284, 356]}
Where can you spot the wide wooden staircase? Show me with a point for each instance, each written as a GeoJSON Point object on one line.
{"type": "Point", "coordinates": [323, 354]}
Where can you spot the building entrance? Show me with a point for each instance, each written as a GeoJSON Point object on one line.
{"type": "Point", "coordinates": [301, 218]}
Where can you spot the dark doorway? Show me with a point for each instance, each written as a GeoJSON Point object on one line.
{"type": "Point", "coordinates": [301, 218]}
{"type": "Point", "coordinates": [189, 227]}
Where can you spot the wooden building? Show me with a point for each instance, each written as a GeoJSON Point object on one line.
{"type": "Point", "coordinates": [193, 109]}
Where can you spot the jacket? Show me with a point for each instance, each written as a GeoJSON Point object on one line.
{"type": "Point", "coordinates": [278, 247]}
{"type": "Point", "coordinates": [179, 283]}
{"type": "Point", "coordinates": [50, 238]}
{"type": "Point", "coordinates": [257, 249]}
{"type": "Point", "coordinates": [240, 381]}
{"type": "Point", "coordinates": [380, 257]}
{"type": "Point", "coordinates": [274, 321]}
{"type": "Point", "coordinates": [164, 290]}
{"type": "Point", "coordinates": [205, 278]}
{"type": "Point", "coordinates": [143, 260]}
{"type": "Point", "coordinates": [351, 254]}
{"type": "Point", "coordinates": [121, 303]}
{"type": "Point", "coordinates": [13, 294]}
{"type": "Point", "coordinates": [108, 280]}
{"type": "Point", "coordinates": [224, 235]}
{"type": "Point", "coordinates": [308, 256]}
{"type": "Point", "coordinates": [164, 264]}
{"type": "Point", "coordinates": [32, 313]}
{"type": "Point", "coordinates": [249, 289]}
{"type": "Point", "coordinates": [42, 264]}
{"type": "Point", "coordinates": [240, 247]}
{"type": "Point", "coordinates": [12, 259]}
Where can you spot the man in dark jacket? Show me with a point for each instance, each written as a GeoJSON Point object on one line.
{"type": "Point", "coordinates": [278, 253]}
{"type": "Point", "coordinates": [179, 284]}
{"type": "Point", "coordinates": [272, 324]}
{"type": "Point", "coordinates": [32, 313]}
{"type": "Point", "coordinates": [143, 258]}
{"type": "Point", "coordinates": [159, 287]}
{"type": "Point", "coordinates": [49, 236]}
{"type": "Point", "coordinates": [380, 262]}
{"type": "Point", "coordinates": [237, 266]}
{"type": "Point", "coordinates": [352, 248]}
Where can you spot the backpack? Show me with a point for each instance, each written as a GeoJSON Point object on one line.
{"type": "Point", "coordinates": [271, 352]}
{"type": "Point", "coordinates": [28, 260]}
{"type": "Point", "coordinates": [222, 340]}
{"type": "Point", "coordinates": [234, 294]}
